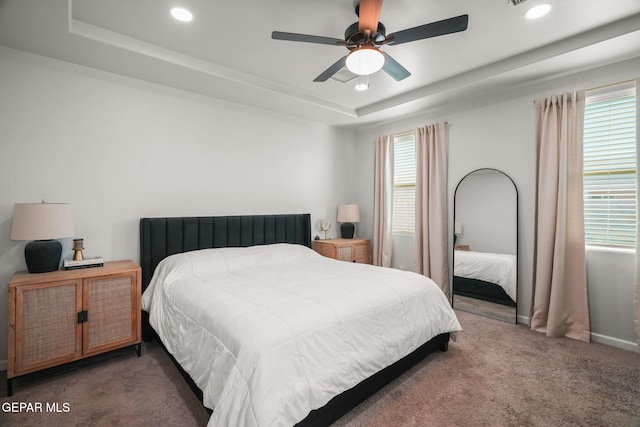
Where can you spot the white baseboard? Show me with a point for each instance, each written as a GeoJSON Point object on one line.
{"type": "Point", "coordinates": [615, 342]}
{"type": "Point", "coordinates": [600, 339]}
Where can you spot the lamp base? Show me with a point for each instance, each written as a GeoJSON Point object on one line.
{"type": "Point", "coordinates": [42, 256]}
{"type": "Point", "coordinates": [347, 229]}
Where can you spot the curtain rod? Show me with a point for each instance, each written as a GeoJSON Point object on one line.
{"type": "Point", "coordinates": [408, 132]}
{"type": "Point", "coordinates": [612, 84]}
{"type": "Point", "coordinates": [605, 86]}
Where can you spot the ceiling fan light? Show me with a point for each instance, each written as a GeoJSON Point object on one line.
{"type": "Point", "coordinates": [365, 60]}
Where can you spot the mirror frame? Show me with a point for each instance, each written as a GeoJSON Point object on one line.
{"type": "Point", "coordinates": [453, 251]}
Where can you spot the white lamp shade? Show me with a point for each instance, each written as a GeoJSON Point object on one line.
{"type": "Point", "coordinates": [365, 60]}
{"type": "Point", "coordinates": [348, 213]}
{"type": "Point", "coordinates": [41, 221]}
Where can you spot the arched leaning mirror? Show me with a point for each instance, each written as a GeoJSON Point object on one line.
{"type": "Point", "coordinates": [485, 256]}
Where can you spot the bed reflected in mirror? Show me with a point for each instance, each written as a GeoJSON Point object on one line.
{"type": "Point", "coordinates": [485, 256]}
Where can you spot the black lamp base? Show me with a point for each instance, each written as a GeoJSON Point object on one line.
{"type": "Point", "coordinates": [43, 256]}
{"type": "Point", "coordinates": [347, 229]}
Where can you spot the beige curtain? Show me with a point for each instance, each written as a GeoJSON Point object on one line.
{"type": "Point", "coordinates": [637, 291]}
{"type": "Point", "coordinates": [383, 201]}
{"type": "Point", "coordinates": [559, 307]}
{"type": "Point", "coordinates": [432, 240]}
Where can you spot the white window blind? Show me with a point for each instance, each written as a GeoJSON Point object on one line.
{"type": "Point", "coordinates": [404, 183]}
{"type": "Point", "coordinates": [610, 166]}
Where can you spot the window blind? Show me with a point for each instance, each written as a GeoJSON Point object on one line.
{"type": "Point", "coordinates": [404, 183]}
{"type": "Point", "coordinates": [610, 166]}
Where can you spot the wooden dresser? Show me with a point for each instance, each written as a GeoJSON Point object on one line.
{"type": "Point", "coordinates": [62, 316]}
{"type": "Point", "coordinates": [352, 250]}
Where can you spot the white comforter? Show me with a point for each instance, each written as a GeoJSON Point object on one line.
{"type": "Point", "coordinates": [269, 333]}
{"type": "Point", "coordinates": [500, 269]}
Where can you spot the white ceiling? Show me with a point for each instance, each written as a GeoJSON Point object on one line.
{"type": "Point", "coordinates": [227, 52]}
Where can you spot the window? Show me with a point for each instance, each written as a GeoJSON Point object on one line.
{"type": "Point", "coordinates": [610, 166]}
{"type": "Point", "coordinates": [404, 183]}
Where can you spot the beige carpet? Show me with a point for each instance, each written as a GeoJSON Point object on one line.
{"type": "Point", "coordinates": [117, 389]}
{"type": "Point", "coordinates": [500, 374]}
{"type": "Point", "coordinates": [495, 374]}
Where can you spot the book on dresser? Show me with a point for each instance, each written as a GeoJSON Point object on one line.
{"type": "Point", "coordinates": [72, 264]}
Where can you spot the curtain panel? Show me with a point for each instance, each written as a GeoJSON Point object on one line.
{"type": "Point", "coordinates": [432, 236]}
{"type": "Point", "coordinates": [559, 306]}
{"type": "Point", "coordinates": [383, 201]}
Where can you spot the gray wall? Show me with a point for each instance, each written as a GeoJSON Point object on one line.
{"type": "Point", "coordinates": [118, 149]}
{"type": "Point", "coordinates": [77, 135]}
{"type": "Point", "coordinates": [498, 131]}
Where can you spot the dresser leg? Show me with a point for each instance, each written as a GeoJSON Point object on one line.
{"type": "Point", "coordinates": [139, 349]}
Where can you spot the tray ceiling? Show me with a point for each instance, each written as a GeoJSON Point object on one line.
{"type": "Point", "coordinates": [226, 52]}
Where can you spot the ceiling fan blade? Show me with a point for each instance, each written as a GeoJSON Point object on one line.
{"type": "Point", "coordinates": [279, 35]}
{"type": "Point", "coordinates": [369, 15]}
{"type": "Point", "coordinates": [434, 29]}
{"type": "Point", "coordinates": [331, 70]}
{"type": "Point", "coordinates": [394, 69]}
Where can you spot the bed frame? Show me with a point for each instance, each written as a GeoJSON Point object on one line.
{"type": "Point", "coordinates": [481, 289]}
{"type": "Point", "coordinates": [161, 237]}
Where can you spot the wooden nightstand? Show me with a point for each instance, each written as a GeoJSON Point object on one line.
{"type": "Point", "coordinates": [67, 315]}
{"type": "Point", "coordinates": [461, 247]}
{"type": "Point", "coordinates": [352, 250]}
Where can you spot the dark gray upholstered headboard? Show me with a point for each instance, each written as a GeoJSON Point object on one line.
{"type": "Point", "coordinates": [161, 237]}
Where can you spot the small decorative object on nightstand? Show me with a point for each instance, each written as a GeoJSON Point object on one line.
{"type": "Point", "coordinates": [347, 215]}
{"type": "Point", "coordinates": [78, 246]}
{"type": "Point", "coordinates": [352, 250]}
{"type": "Point", "coordinates": [63, 316]}
{"type": "Point", "coordinates": [325, 225]}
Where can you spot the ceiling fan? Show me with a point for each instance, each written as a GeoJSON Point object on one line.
{"type": "Point", "coordinates": [364, 38]}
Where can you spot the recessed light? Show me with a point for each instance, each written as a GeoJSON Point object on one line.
{"type": "Point", "coordinates": [363, 84]}
{"type": "Point", "coordinates": [538, 11]}
{"type": "Point", "coordinates": [181, 14]}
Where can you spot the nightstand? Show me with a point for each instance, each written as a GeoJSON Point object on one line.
{"type": "Point", "coordinates": [461, 247]}
{"type": "Point", "coordinates": [352, 250]}
{"type": "Point", "coordinates": [67, 315]}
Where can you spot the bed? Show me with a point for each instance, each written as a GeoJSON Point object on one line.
{"type": "Point", "coordinates": [287, 343]}
{"type": "Point", "coordinates": [486, 276]}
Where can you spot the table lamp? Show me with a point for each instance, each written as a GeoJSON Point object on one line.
{"type": "Point", "coordinates": [42, 223]}
{"type": "Point", "coordinates": [347, 215]}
